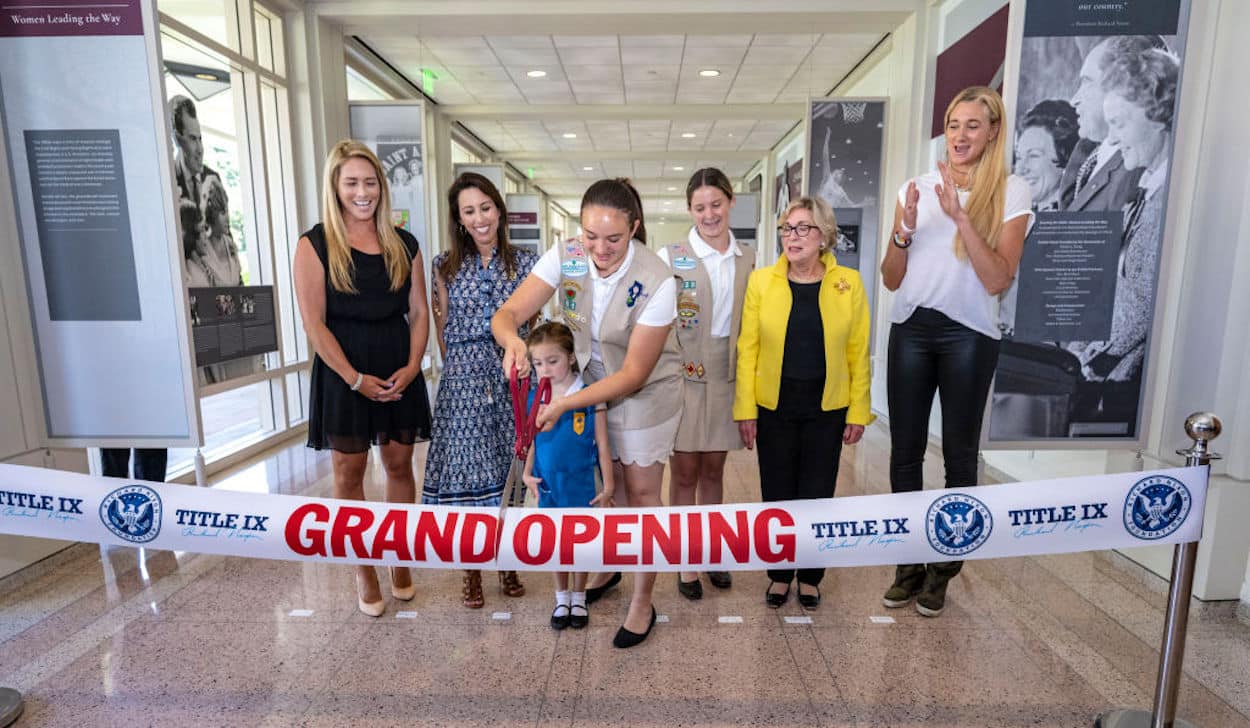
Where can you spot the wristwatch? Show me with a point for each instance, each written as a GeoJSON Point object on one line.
{"type": "Point", "coordinates": [900, 241]}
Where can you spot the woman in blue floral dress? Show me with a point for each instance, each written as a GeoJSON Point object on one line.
{"type": "Point", "coordinates": [471, 446]}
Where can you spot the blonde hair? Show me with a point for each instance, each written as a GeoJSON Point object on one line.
{"type": "Point", "coordinates": [988, 193]}
{"type": "Point", "coordinates": [822, 215]}
{"type": "Point", "coordinates": [394, 253]}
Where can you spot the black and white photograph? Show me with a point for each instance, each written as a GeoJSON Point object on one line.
{"type": "Point", "coordinates": [1093, 139]}
{"type": "Point", "coordinates": [211, 256]}
{"type": "Point", "coordinates": [845, 151]}
{"type": "Point", "coordinates": [405, 173]}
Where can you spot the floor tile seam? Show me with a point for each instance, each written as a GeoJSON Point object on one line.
{"type": "Point", "coordinates": [1084, 661]}
{"type": "Point", "coordinates": [103, 627]}
{"type": "Point", "coordinates": [811, 700]}
{"type": "Point", "coordinates": [551, 663]}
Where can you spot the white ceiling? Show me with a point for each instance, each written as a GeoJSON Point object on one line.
{"type": "Point", "coordinates": [595, 71]}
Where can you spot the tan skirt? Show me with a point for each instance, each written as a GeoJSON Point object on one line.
{"type": "Point", "coordinates": [707, 421]}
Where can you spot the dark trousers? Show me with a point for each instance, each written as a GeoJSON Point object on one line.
{"type": "Point", "coordinates": [149, 463]}
{"type": "Point", "coordinates": [799, 446]}
{"type": "Point", "coordinates": [929, 353]}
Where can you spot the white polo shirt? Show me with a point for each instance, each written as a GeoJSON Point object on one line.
{"type": "Point", "coordinates": [720, 269]}
{"type": "Point", "coordinates": [659, 310]}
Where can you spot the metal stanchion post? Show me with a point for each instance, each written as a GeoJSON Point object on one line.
{"type": "Point", "coordinates": [1202, 427]}
{"type": "Point", "coordinates": [10, 706]}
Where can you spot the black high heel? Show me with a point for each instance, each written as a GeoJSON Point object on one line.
{"type": "Point", "coordinates": [625, 639]}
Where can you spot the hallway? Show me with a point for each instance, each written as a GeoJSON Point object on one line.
{"type": "Point", "coordinates": [159, 638]}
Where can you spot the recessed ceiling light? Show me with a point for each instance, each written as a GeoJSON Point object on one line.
{"type": "Point", "coordinates": [709, 73]}
{"type": "Point", "coordinates": [679, 169]}
{"type": "Point", "coordinates": [688, 135]}
{"type": "Point", "coordinates": [672, 189]}
{"type": "Point", "coordinates": [588, 169]}
{"type": "Point", "coordinates": [569, 135]}
{"type": "Point", "coordinates": [535, 73]}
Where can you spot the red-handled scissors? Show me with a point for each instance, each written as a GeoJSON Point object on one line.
{"type": "Point", "coordinates": [526, 419]}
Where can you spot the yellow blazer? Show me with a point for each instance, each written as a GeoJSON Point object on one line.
{"type": "Point", "coordinates": [761, 345]}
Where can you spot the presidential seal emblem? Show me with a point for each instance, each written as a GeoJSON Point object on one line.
{"type": "Point", "coordinates": [132, 513]}
{"type": "Point", "coordinates": [958, 524]}
{"type": "Point", "coordinates": [1155, 507]}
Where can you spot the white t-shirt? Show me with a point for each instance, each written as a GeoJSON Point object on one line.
{"type": "Point", "coordinates": [659, 310]}
{"type": "Point", "coordinates": [720, 269]}
{"type": "Point", "coordinates": [938, 280]}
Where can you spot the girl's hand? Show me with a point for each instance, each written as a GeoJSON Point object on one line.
{"type": "Point", "coordinates": [948, 196]}
{"type": "Point", "coordinates": [747, 431]}
{"type": "Point", "coordinates": [852, 434]}
{"type": "Point", "coordinates": [910, 206]}
{"type": "Point", "coordinates": [604, 500]}
{"type": "Point", "coordinates": [531, 482]}
{"type": "Point", "coordinates": [515, 354]}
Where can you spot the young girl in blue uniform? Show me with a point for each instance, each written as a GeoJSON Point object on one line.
{"type": "Point", "coordinates": [561, 465]}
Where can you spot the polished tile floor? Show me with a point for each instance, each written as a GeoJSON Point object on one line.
{"type": "Point", "coordinates": [132, 637]}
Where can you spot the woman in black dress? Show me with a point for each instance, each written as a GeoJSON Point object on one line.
{"type": "Point", "coordinates": [362, 299]}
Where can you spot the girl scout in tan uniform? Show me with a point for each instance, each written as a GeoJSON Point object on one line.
{"type": "Point", "coordinates": [712, 269]}
{"type": "Point", "coordinates": [619, 298]}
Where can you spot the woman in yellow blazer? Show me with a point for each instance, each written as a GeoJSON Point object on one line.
{"type": "Point", "coordinates": [803, 371]}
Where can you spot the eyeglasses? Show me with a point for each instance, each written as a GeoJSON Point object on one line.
{"type": "Point", "coordinates": [802, 229]}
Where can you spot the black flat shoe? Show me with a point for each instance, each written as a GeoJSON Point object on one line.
{"type": "Point", "coordinates": [692, 590]}
{"type": "Point", "coordinates": [579, 617]}
{"type": "Point", "coordinates": [560, 616]}
{"type": "Point", "coordinates": [809, 601]}
{"type": "Point", "coordinates": [720, 579]}
{"type": "Point", "coordinates": [625, 639]}
{"type": "Point", "coordinates": [776, 600]}
{"type": "Point", "coordinates": [595, 593]}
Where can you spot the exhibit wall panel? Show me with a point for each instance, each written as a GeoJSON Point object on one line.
{"type": "Point", "coordinates": [89, 176]}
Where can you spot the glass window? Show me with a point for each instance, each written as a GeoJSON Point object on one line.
{"type": "Point", "coordinates": [208, 17]}
{"type": "Point", "coordinates": [232, 160]}
{"type": "Point", "coordinates": [231, 420]}
{"type": "Point", "coordinates": [360, 88]}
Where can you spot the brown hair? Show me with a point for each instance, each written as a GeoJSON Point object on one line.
{"type": "Point", "coordinates": [618, 194]}
{"type": "Point", "coordinates": [708, 177]}
{"type": "Point", "coordinates": [394, 253]}
{"type": "Point", "coordinates": [556, 333]}
{"type": "Point", "coordinates": [988, 196]}
{"type": "Point", "coordinates": [462, 245]}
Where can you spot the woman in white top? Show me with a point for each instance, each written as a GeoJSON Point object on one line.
{"type": "Point", "coordinates": [619, 299]}
{"type": "Point", "coordinates": [712, 269]}
{"type": "Point", "coordinates": [957, 240]}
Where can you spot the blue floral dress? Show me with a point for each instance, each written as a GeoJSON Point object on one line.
{"type": "Point", "coordinates": [473, 432]}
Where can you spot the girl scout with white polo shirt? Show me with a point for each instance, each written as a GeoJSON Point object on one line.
{"type": "Point", "coordinates": [619, 298]}
{"type": "Point", "coordinates": [712, 269]}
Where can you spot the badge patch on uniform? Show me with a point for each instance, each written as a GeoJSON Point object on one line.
{"type": "Point", "coordinates": [574, 268]}
{"type": "Point", "coordinates": [688, 285]}
{"type": "Point", "coordinates": [569, 300]}
{"type": "Point", "coordinates": [579, 422]}
{"type": "Point", "coordinates": [690, 369]}
{"type": "Point", "coordinates": [701, 371]}
{"type": "Point", "coordinates": [687, 307]}
{"type": "Point", "coordinates": [842, 285]}
{"type": "Point", "coordinates": [685, 262]}
{"type": "Point", "coordinates": [631, 297]}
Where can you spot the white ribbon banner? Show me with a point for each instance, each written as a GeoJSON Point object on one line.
{"type": "Point", "coordinates": [990, 521]}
